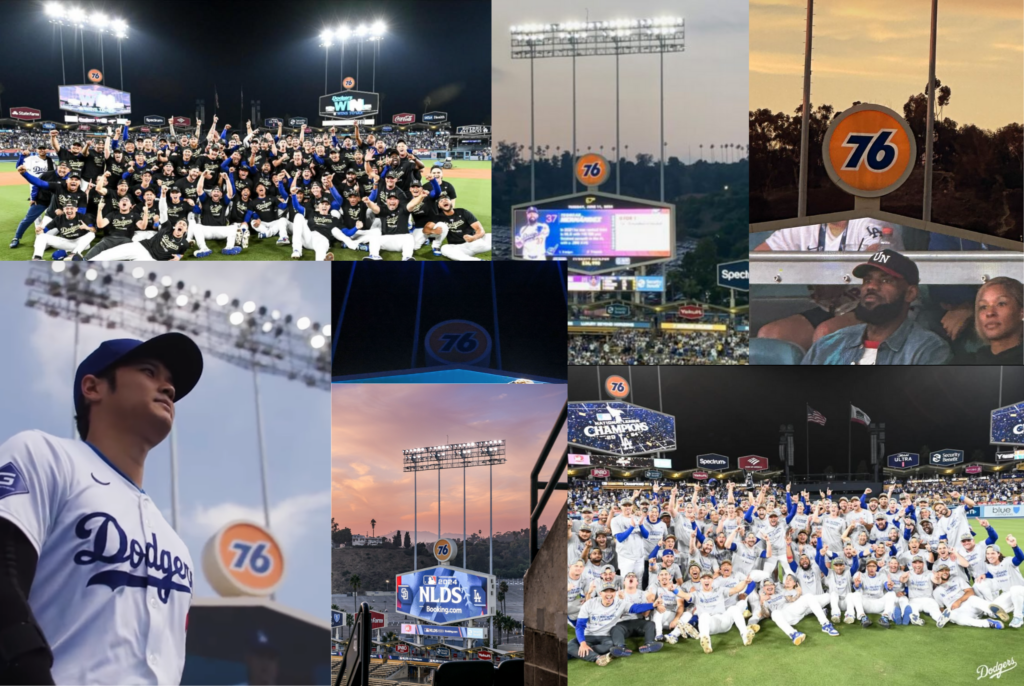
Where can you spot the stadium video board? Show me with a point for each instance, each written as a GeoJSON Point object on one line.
{"type": "Point", "coordinates": [620, 284]}
{"type": "Point", "coordinates": [445, 595]}
{"type": "Point", "coordinates": [594, 226]}
{"type": "Point", "coordinates": [620, 429]}
{"type": "Point", "coordinates": [349, 104]}
{"type": "Point", "coordinates": [1007, 425]}
{"type": "Point", "coordinates": [94, 100]}
{"type": "Point", "coordinates": [662, 463]}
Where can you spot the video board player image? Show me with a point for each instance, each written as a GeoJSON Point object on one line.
{"type": "Point", "coordinates": [433, 323]}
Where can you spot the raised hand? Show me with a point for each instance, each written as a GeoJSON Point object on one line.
{"type": "Point", "coordinates": [983, 522]}
{"type": "Point", "coordinates": [1011, 541]}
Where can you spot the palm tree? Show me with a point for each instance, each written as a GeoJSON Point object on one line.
{"type": "Point", "coordinates": [373, 527]}
{"type": "Point", "coordinates": [702, 151]}
{"type": "Point", "coordinates": [502, 590]}
{"type": "Point", "coordinates": [355, 582]}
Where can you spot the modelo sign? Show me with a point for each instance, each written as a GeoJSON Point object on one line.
{"type": "Point", "coordinates": [713, 461]}
{"type": "Point", "coordinates": [945, 458]}
{"type": "Point", "coordinates": [691, 312]}
{"type": "Point", "coordinates": [700, 476]}
{"type": "Point", "coordinates": [25, 113]}
{"type": "Point", "coordinates": [155, 120]}
{"type": "Point", "coordinates": [904, 460]}
{"type": "Point", "coordinates": [445, 595]}
{"type": "Point", "coordinates": [974, 469]}
{"type": "Point", "coordinates": [600, 473]}
{"type": "Point", "coordinates": [404, 118]}
{"type": "Point", "coordinates": [753, 463]}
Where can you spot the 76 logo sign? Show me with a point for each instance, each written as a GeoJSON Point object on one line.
{"type": "Point", "coordinates": [875, 151]}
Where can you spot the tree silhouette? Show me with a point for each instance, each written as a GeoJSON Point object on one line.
{"type": "Point", "coordinates": [373, 526]}
{"type": "Point", "coordinates": [408, 542]}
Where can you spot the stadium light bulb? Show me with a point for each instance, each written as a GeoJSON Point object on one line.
{"type": "Point", "coordinates": [222, 299]}
{"type": "Point", "coordinates": [91, 274]}
{"type": "Point", "coordinates": [119, 33]}
{"type": "Point", "coordinates": [167, 281]}
{"type": "Point", "coordinates": [326, 36]}
{"type": "Point", "coordinates": [119, 25]}
{"type": "Point", "coordinates": [276, 314]}
{"type": "Point", "coordinates": [151, 291]}
{"type": "Point", "coordinates": [99, 20]}
{"type": "Point", "coordinates": [76, 15]}
{"type": "Point", "coordinates": [249, 307]}
{"type": "Point", "coordinates": [236, 318]}
{"type": "Point", "coordinates": [138, 272]}
{"type": "Point", "coordinates": [58, 267]}
{"type": "Point", "coordinates": [181, 300]}
{"type": "Point", "coordinates": [362, 30]}
{"type": "Point", "coordinates": [317, 341]}
{"type": "Point", "coordinates": [267, 327]}
{"type": "Point", "coordinates": [326, 330]}
{"type": "Point", "coordinates": [54, 9]}
{"type": "Point", "coordinates": [378, 28]}
{"type": "Point", "coordinates": [343, 32]}
{"type": "Point", "coordinates": [303, 323]}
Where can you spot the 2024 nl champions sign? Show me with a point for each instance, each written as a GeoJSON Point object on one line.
{"type": "Point", "coordinates": [445, 595]}
{"type": "Point", "coordinates": [617, 428]}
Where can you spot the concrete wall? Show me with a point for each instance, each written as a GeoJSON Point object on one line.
{"type": "Point", "coordinates": [545, 611]}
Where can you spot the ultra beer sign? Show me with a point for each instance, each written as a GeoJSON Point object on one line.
{"type": "Point", "coordinates": [904, 460]}
{"type": "Point", "coordinates": [869, 151]}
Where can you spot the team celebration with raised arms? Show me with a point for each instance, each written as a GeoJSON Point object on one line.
{"type": "Point", "coordinates": [666, 563]}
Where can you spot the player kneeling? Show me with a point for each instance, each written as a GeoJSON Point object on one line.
{"type": "Point", "coordinates": [593, 641]}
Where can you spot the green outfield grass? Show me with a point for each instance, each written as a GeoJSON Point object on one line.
{"type": "Point", "coordinates": [474, 195]}
{"type": "Point", "coordinates": [901, 655]}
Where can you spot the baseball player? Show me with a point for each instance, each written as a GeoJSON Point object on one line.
{"type": "Point", "coordinates": [596, 619]}
{"type": "Point", "coordinates": [713, 617]}
{"type": "Point", "coordinates": [313, 232]}
{"type": "Point", "coordinates": [919, 585]}
{"type": "Point", "coordinates": [842, 597]}
{"type": "Point", "coordinates": [972, 557]}
{"type": "Point", "coordinates": [629, 532]}
{"type": "Point", "coordinates": [532, 239]}
{"type": "Point", "coordinates": [787, 608]}
{"type": "Point", "coordinates": [1003, 573]}
{"type": "Point", "coordinates": [961, 605]}
{"type": "Point", "coordinates": [96, 585]}
{"type": "Point", "coordinates": [878, 595]}
{"type": "Point", "coordinates": [66, 230]}
{"type": "Point", "coordinates": [580, 542]}
{"type": "Point", "coordinates": [168, 244]}
{"type": "Point", "coordinates": [392, 233]}
{"type": "Point", "coordinates": [666, 590]}
{"type": "Point", "coordinates": [632, 624]}
{"type": "Point", "coordinates": [808, 575]}
{"type": "Point", "coordinates": [465, 234]}
{"type": "Point", "coordinates": [577, 591]}
{"type": "Point", "coordinates": [210, 220]}
{"type": "Point", "coordinates": [41, 166]}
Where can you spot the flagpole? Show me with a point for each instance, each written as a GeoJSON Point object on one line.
{"type": "Point", "coordinates": [849, 444]}
{"type": "Point", "coordinates": [807, 443]}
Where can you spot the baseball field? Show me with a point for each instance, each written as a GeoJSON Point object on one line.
{"type": "Point", "coordinates": [472, 181]}
{"type": "Point", "coordinates": [901, 655]}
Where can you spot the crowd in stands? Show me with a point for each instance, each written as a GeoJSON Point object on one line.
{"type": "Point", "coordinates": [418, 140]}
{"type": "Point", "coordinates": [986, 489]}
{"type": "Point", "coordinates": [636, 347]}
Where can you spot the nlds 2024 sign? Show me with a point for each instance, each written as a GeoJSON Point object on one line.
{"type": "Point", "coordinates": [445, 595]}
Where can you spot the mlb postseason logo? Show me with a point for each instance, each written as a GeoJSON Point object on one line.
{"type": "Point", "coordinates": [904, 460]}
{"type": "Point", "coordinates": [713, 461]}
{"type": "Point", "coordinates": [944, 458]}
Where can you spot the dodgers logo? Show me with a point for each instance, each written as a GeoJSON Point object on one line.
{"type": "Point", "coordinates": [106, 533]}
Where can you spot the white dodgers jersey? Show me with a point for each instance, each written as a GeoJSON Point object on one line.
{"type": "Point", "coordinates": [113, 583]}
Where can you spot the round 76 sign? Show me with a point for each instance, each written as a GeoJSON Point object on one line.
{"type": "Point", "coordinates": [869, 150]}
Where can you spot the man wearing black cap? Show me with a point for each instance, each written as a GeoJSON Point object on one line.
{"type": "Point", "coordinates": [532, 239]}
{"type": "Point", "coordinates": [77, 528]}
{"type": "Point", "coordinates": [887, 335]}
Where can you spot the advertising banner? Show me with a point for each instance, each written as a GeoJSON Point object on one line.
{"type": "Point", "coordinates": [472, 130]}
{"type": "Point", "coordinates": [662, 463]}
{"type": "Point", "coordinates": [753, 463]}
{"type": "Point", "coordinates": [154, 120]}
{"type": "Point", "coordinates": [903, 460]}
{"type": "Point", "coordinates": [735, 275]}
{"type": "Point", "coordinates": [947, 457]}
{"type": "Point", "coordinates": [443, 631]}
{"type": "Point", "coordinates": [618, 428]}
{"type": "Point", "coordinates": [298, 121]}
{"type": "Point", "coordinates": [404, 118]}
{"type": "Point", "coordinates": [973, 469]}
{"type": "Point", "coordinates": [94, 100]}
{"type": "Point", "coordinates": [25, 113]}
{"type": "Point", "coordinates": [700, 476]}
{"type": "Point", "coordinates": [349, 104]}
{"type": "Point", "coordinates": [652, 474]}
{"type": "Point", "coordinates": [376, 620]}
{"type": "Point", "coordinates": [435, 117]}
{"type": "Point", "coordinates": [600, 473]}
{"type": "Point", "coordinates": [445, 595]}
{"type": "Point", "coordinates": [578, 459]}
{"type": "Point", "coordinates": [337, 618]}
{"type": "Point", "coordinates": [691, 312]}
{"type": "Point", "coordinates": [713, 461]}
{"type": "Point", "coordinates": [181, 121]}
{"type": "Point", "coordinates": [618, 310]}
{"type": "Point", "coordinates": [1001, 511]}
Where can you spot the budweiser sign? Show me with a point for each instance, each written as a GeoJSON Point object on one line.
{"type": "Point", "coordinates": [600, 473]}
{"type": "Point", "coordinates": [181, 121]}
{"type": "Point", "coordinates": [403, 119]}
{"type": "Point", "coordinates": [25, 113]}
{"type": "Point", "coordinates": [691, 312]}
{"type": "Point", "coordinates": [700, 476]}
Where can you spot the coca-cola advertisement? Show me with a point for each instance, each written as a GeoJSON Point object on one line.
{"type": "Point", "coordinates": [404, 118]}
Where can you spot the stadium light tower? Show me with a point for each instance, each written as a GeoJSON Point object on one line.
{"type": "Point", "coordinates": [80, 20]}
{"type": "Point", "coordinates": [453, 456]}
{"type": "Point", "coordinates": [146, 305]}
{"type": "Point", "coordinates": [600, 38]}
{"type": "Point", "coordinates": [325, 41]}
{"type": "Point", "coordinates": [377, 31]}
{"type": "Point", "coordinates": [342, 34]}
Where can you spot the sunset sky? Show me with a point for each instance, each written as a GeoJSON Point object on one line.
{"type": "Point", "coordinates": [877, 51]}
{"type": "Point", "coordinates": [373, 423]}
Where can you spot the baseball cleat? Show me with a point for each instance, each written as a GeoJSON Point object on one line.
{"type": "Point", "coordinates": [621, 651]}
{"type": "Point", "coordinates": [408, 259]}
{"type": "Point", "coordinates": [651, 648]}
{"type": "Point", "coordinates": [829, 629]}
{"type": "Point", "coordinates": [907, 612]}
{"type": "Point", "coordinates": [754, 627]}
{"type": "Point", "coordinates": [999, 613]}
{"type": "Point", "coordinates": [1017, 622]}
{"type": "Point", "coordinates": [14, 243]}
{"type": "Point", "coordinates": [659, 637]}
{"type": "Point", "coordinates": [671, 639]}
{"type": "Point", "coordinates": [243, 238]}
{"type": "Point", "coordinates": [59, 254]}
{"type": "Point", "coordinates": [602, 660]}
{"type": "Point", "coordinates": [283, 240]}
{"type": "Point", "coordinates": [705, 643]}
{"type": "Point", "coordinates": [835, 619]}
{"type": "Point", "coordinates": [748, 637]}
{"type": "Point", "coordinates": [37, 257]}
{"type": "Point", "coordinates": [364, 247]}
{"type": "Point", "coordinates": [798, 638]}
{"type": "Point", "coordinates": [438, 253]}
{"type": "Point", "coordinates": [884, 621]}
{"type": "Point", "coordinates": [916, 620]}
{"type": "Point", "coordinates": [865, 622]}
{"type": "Point", "coordinates": [375, 258]}
{"type": "Point", "coordinates": [995, 624]}
{"type": "Point", "coordinates": [848, 619]}
{"type": "Point", "coordinates": [77, 258]}
{"type": "Point", "coordinates": [943, 619]}
{"type": "Point", "coordinates": [329, 257]}
{"type": "Point", "coordinates": [746, 614]}
{"type": "Point", "coordinates": [231, 251]}
{"type": "Point", "coordinates": [261, 235]}
{"type": "Point", "coordinates": [203, 253]}
{"type": "Point", "coordinates": [690, 630]}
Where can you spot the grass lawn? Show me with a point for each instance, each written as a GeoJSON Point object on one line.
{"type": "Point", "coordinates": [474, 195]}
{"type": "Point", "coordinates": [901, 655]}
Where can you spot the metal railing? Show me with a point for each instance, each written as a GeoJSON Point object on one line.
{"type": "Point", "coordinates": [554, 482]}
{"type": "Point", "coordinates": [355, 664]}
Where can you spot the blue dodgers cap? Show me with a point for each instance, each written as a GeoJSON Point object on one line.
{"type": "Point", "coordinates": [176, 351]}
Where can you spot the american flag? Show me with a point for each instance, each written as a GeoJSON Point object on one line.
{"type": "Point", "coordinates": [815, 416]}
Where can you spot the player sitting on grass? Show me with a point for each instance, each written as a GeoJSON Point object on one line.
{"type": "Point", "coordinates": [1003, 576]}
{"type": "Point", "coordinates": [212, 210]}
{"type": "Point", "coordinates": [666, 590]}
{"type": "Point", "coordinates": [961, 605]}
{"type": "Point", "coordinates": [878, 596]}
{"type": "Point", "coordinates": [633, 624]}
{"type": "Point", "coordinates": [919, 594]}
{"type": "Point", "coordinates": [713, 617]}
{"type": "Point", "coordinates": [596, 619]}
{"type": "Point", "coordinates": [168, 244]}
{"type": "Point", "coordinates": [66, 230]}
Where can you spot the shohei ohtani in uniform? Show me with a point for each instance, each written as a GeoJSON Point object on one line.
{"type": "Point", "coordinates": [96, 586]}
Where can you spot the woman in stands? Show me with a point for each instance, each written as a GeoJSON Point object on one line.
{"type": "Point", "coordinates": [999, 321]}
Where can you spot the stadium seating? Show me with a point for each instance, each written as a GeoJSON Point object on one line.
{"type": "Point", "coordinates": [774, 351]}
{"type": "Point", "coordinates": [463, 673]}
{"type": "Point", "coordinates": [510, 673]}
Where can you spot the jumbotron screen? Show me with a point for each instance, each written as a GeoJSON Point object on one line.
{"type": "Point", "coordinates": [591, 225]}
{"type": "Point", "coordinates": [94, 100]}
{"type": "Point", "coordinates": [619, 284]}
{"type": "Point", "coordinates": [621, 429]}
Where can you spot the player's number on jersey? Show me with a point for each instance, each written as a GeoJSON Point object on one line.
{"type": "Point", "coordinates": [617, 387]}
{"type": "Point", "coordinates": [592, 170]}
{"type": "Point", "coordinates": [464, 343]}
{"type": "Point", "coordinates": [252, 556]}
{"type": "Point", "coordinates": [874, 150]}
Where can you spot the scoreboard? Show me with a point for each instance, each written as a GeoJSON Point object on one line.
{"type": "Point", "coordinates": [620, 284]}
{"type": "Point", "coordinates": [594, 226]}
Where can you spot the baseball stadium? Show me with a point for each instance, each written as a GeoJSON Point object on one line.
{"type": "Point", "coordinates": [799, 562]}
{"type": "Point", "coordinates": [447, 600]}
{"type": "Point", "coordinates": [372, 165]}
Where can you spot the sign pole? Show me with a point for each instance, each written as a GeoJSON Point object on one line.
{"type": "Point", "coordinates": [929, 132]}
{"type": "Point", "coordinates": [801, 210]}
{"type": "Point", "coordinates": [490, 568]}
{"type": "Point", "coordinates": [849, 446]}
{"type": "Point", "coordinates": [807, 445]}
{"type": "Point", "coordinates": [415, 527]}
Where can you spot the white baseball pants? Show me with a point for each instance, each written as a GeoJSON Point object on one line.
{"type": "Point", "coordinates": [719, 624]}
{"type": "Point", "coordinates": [972, 612]}
{"type": "Point", "coordinates": [304, 237]}
{"type": "Point", "coordinates": [926, 605]}
{"type": "Point", "coordinates": [884, 605]}
{"type": "Point", "coordinates": [53, 240]}
{"type": "Point", "coordinates": [131, 252]}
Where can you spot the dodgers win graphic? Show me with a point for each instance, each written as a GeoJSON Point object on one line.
{"type": "Point", "coordinates": [444, 595]}
{"type": "Point", "coordinates": [620, 428]}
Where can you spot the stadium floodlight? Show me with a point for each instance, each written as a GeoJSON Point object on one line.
{"type": "Point", "coordinates": [249, 307]}
{"type": "Point", "coordinates": [325, 37]}
{"type": "Point", "coordinates": [326, 331]}
{"type": "Point", "coordinates": [58, 267]}
{"type": "Point", "coordinates": [377, 29]}
{"type": "Point", "coordinates": [76, 15]}
{"type": "Point", "coordinates": [54, 9]}
{"type": "Point", "coordinates": [99, 20]}
{"type": "Point", "coordinates": [362, 30]}
{"type": "Point", "coordinates": [222, 299]}
{"type": "Point", "coordinates": [152, 291]}
{"type": "Point", "coordinates": [343, 32]}
{"type": "Point", "coordinates": [236, 318]}
{"type": "Point", "coordinates": [303, 323]}
{"type": "Point", "coordinates": [138, 272]}
{"type": "Point", "coordinates": [599, 38]}
{"type": "Point", "coordinates": [276, 314]}
{"type": "Point", "coordinates": [317, 341]}
{"type": "Point", "coordinates": [91, 274]}
{"type": "Point", "coordinates": [181, 300]}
